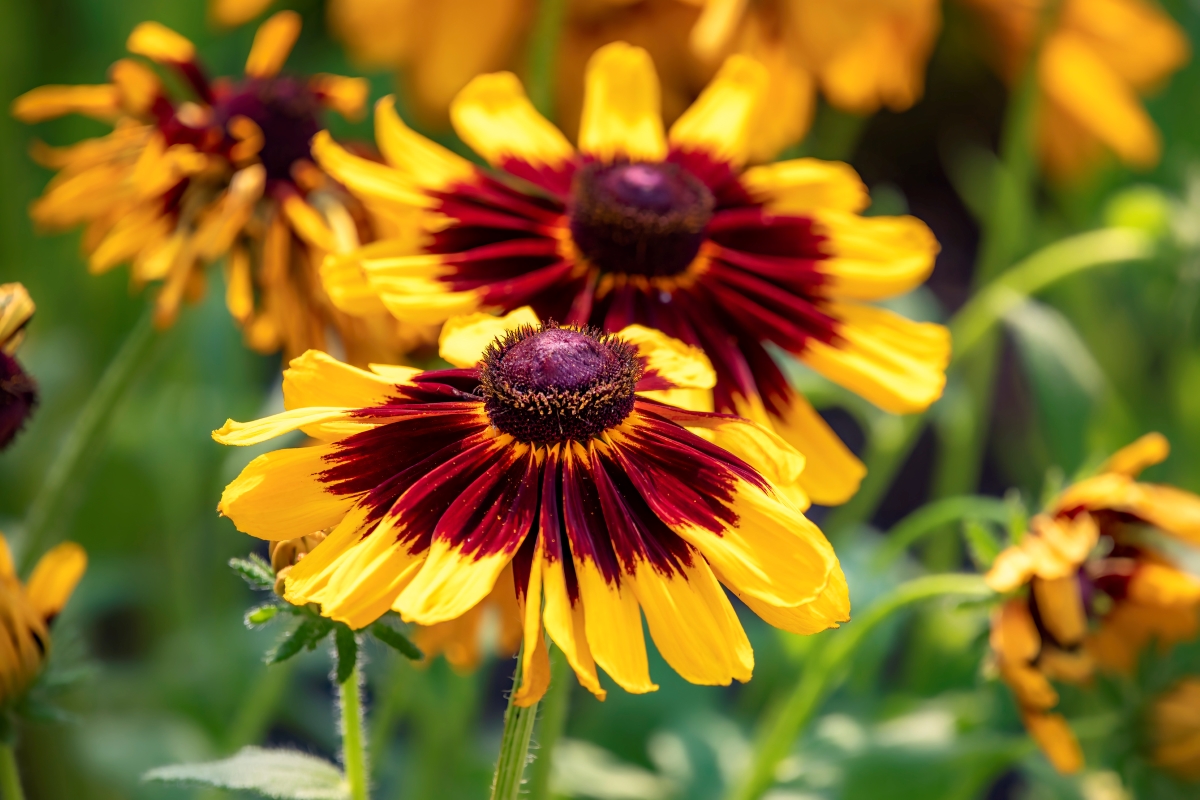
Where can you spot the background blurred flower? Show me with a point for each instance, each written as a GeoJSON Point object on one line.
{"type": "Point", "coordinates": [538, 456]}
{"type": "Point", "coordinates": [658, 229]}
{"type": "Point", "coordinates": [1099, 588]}
{"type": "Point", "coordinates": [27, 611]}
{"type": "Point", "coordinates": [1175, 729]}
{"type": "Point", "coordinates": [18, 390]}
{"type": "Point", "coordinates": [1097, 60]}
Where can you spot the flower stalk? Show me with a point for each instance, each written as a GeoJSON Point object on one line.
{"type": "Point", "coordinates": [10, 776]}
{"type": "Point", "coordinates": [514, 745]}
{"type": "Point", "coordinates": [555, 705]}
{"type": "Point", "coordinates": [354, 754]}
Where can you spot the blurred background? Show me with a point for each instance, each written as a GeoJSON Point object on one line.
{"type": "Point", "coordinates": [153, 665]}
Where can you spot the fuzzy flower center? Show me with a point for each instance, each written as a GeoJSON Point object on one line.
{"type": "Point", "coordinates": [642, 219]}
{"type": "Point", "coordinates": [550, 385]}
{"type": "Point", "coordinates": [284, 109]}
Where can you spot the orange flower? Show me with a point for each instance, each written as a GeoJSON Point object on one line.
{"type": "Point", "coordinates": [1175, 730]}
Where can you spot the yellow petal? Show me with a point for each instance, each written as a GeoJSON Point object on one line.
{"type": "Point", "coordinates": [449, 583]}
{"type": "Point", "coordinates": [427, 163]}
{"type": "Point", "coordinates": [829, 609]}
{"type": "Point", "coordinates": [308, 223]}
{"type": "Point", "coordinates": [16, 309]}
{"type": "Point", "coordinates": [1161, 585]}
{"type": "Point", "coordinates": [280, 496]}
{"type": "Point", "coordinates": [239, 287]}
{"type": "Point", "coordinates": [871, 258]}
{"type": "Point", "coordinates": [463, 339]}
{"type": "Point", "coordinates": [159, 43]}
{"type": "Point", "coordinates": [55, 577]}
{"type": "Point", "coordinates": [1071, 538]}
{"type": "Point", "coordinates": [47, 102]}
{"type": "Point", "coordinates": [684, 366]}
{"type": "Point", "coordinates": [364, 177]}
{"type": "Point", "coordinates": [897, 364]}
{"type": "Point", "coordinates": [494, 117]}
{"type": "Point", "coordinates": [369, 579]}
{"type": "Point", "coordinates": [273, 42]}
{"type": "Point", "coordinates": [805, 185]}
{"type": "Point", "coordinates": [757, 445]}
{"type": "Point", "coordinates": [1151, 449]}
{"type": "Point", "coordinates": [1056, 739]}
{"type": "Point", "coordinates": [614, 628]}
{"type": "Point", "coordinates": [1014, 636]}
{"type": "Point", "coordinates": [394, 373]}
{"type": "Point", "coordinates": [622, 106]}
{"type": "Point", "coordinates": [1060, 606]}
{"type": "Point", "coordinates": [535, 658]}
{"type": "Point", "coordinates": [719, 122]}
{"type": "Point", "coordinates": [137, 85]}
{"type": "Point", "coordinates": [1012, 569]}
{"type": "Point", "coordinates": [716, 26]}
{"type": "Point", "coordinates": [318, 379]}
{"type": "Point", "coordinates": [832, 473]}
{"type": "Point", "coordinates": [565, 622]}
{"type": "Point", "coordinates": [241, 434]}
{"type": "Point", "coordinates": [308, 579]}
{"type": "Point", "coordinates": [346, 96]}
{"type": "Point", "coordinates": [693, 625]}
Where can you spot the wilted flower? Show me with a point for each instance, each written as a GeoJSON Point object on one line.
{"type": "Point", "coordinates": [27, 611]}
{"type": "Point", "coordinates": [18, 391]}
{"type": "Point", "coordinates": [664, 230]}
{"type": "Point", "coordinates": [227, 174]}
{"type": "Point", "coordinates": [1096, 62]}
{"type": "Point", "coordinates": [544, 459]}
{"type": "Point", "coordinates": [1100, 588]}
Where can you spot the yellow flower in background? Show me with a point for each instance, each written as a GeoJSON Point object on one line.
{"type": "Point", "coordinates": [18, 390]}
{"type": "Point", "coordinates": [179, 184]}
{"type": "Point", "coordinates": [27, 611]}
{"type": "Point", "coordinates": [543, 460]}
{"type": "Point", "coordinates": [1100, 58]}
{"type": "Point", "coordinates": [1175, 730]}
{"type": "Point", "coordinates": [666, 229]}
{"type": "Point", "coordinates": [1100, 588]}
{"type": "Point", "coordinates": [862, 55]}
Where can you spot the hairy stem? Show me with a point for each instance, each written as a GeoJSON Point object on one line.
{"type": "Point", "coordinates": [514, 745]}
{"type": "Point", "coordinates": [354, 754]}
{"type": "Point", "coordinates": [554, 720]}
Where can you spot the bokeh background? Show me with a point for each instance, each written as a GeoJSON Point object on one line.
{"type": "Point", "coordinates": [153, 665]}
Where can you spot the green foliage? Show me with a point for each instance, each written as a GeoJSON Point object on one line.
{"type": "Point", "coordinates": [282, 774]}
{"type": "Point", "coordinates": [255, 571]}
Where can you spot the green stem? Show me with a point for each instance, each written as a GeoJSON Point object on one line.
{"type": "Point", "coordinates": [354, 754]}
{"type": "Point", "coordinates": [543, 54]}
{"type": "Point", "coordinates": [929, 518]}
{"type": "Point", "coordinates": [83, 437]}
{"type": "Point", "coordinates": [828, 670]}
{"type": "Point", "coordinates": [554, 720]}
{"type": "Point", "coordinates": [10, 776]}
{"type": "Point", "coordinates": [514, 745]}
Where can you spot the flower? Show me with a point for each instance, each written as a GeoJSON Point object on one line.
{"type": "Point", "coordinates": [1175, 729]}
{"type": "Point", "coordinates": [227, 174]}
{"type": "Point", "coordinates": [1097, 60]}
{"type": "Point", "coordinates": [862, 54]}
{"type": "Point", "coordinates": [27, 611]}
{"type": "Point", "coordinates": [663, 230]}
{"type": "Point", "coordinates": [1101, 587]}
{"type": "Point", "coordinates": [545, 457]}
{"type": "Point", "coordinates": [18, 390]}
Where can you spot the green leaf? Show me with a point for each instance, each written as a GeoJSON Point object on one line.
{"type": "Point", "coordinates": [347, 652]}
{"type": "Point", "coordinates": [396, 640]}
{"type": "Point", "coordinates": [255, 571]}
{"type": "Point", "coordinates": [982, 542]}
{"type": "Point", "coordinates": [261, 615]}
{"type": "Point", "coordinates": [306, 635]}
{"type": "Point", "coordinates": [284, 774]}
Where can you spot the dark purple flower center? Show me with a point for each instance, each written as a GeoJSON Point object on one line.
{"type": "Point", "coordinates": [641, 219]}
{"type": "Point", "coordinates": [18, 397]}
{"type": "Point", "coordinates": [286, 111]}
{"type": "Point", "coordinates": [549, 385]}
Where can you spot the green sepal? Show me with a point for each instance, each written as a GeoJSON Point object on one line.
{"type": "Point", "coordinates": [396, 640]}
{"type": "Point", "coordinates": [982, 543]}
{"type": "Point", "coordinates": [261, 615]}
{"type": "Point", "coordinates": [346, 643]}
{"type": "Point", "coordinates": [307, 635]}
{"type": "Point", "coordinates": [255, 571]}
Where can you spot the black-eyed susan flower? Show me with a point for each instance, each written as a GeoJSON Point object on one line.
{"type": "Point", "coordinates": [1096, 588]}
{"type": "Point", "coordinates": [1175, 730]}
{"type": "Point", "coordinates": [225, 174]}
{"type": "Point", "coordinates": [27, 611]}
{"type": "Point", "coordinates": [18, 390]}
{"type": "Point", "coordinates": [861, 54]}
{"type": "Point", "coordinates": [542, 458]}
{"type": "Point", "coordinates": [1096, 63]}
{"type": "Point", "coordinates": [666, 230]}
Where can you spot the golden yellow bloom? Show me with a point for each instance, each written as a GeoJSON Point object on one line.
{"type": "Point", "coordinates": [545, 461]}
{"type": "Point", "coordinates": [227, 175]}
{"type": "Point", "coordinates": [27, 611]}
{"type": "Point", "coordinates": [1175, 730]}
{"type": "Point", "coordinates": [18, 391]}
{"type": "Point", "coordinates": [1096, 63]}
{"type": "Point", "coordinates": [1096, 589]}
{"type": "Point", "coordinates": [860, 54]}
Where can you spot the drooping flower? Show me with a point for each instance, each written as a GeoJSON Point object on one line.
{"type": "Point", "coordinates": [861, 54]}
{"type": "Point", "coordinates": [1097, 586]}
{"type": "Point", "coordinates": [27, 611]}
{"type": "Point", "coordinates": [18, 390]}
{"type": "Point", "coordinates": [226, 174]}
{"type": "Point", "coordinates": [545, 460]}
{"type": "Point", "coordinates": [1097, 62]}
{"type": "Point", "coordinates": [1175, 730]}
{"type": "Point", "coordinates": [663, 230]}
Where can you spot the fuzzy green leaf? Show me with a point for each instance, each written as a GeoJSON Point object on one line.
{"type": "Point", "coordinates": [347, 652]}
{"type": "Point", "coordinates": [255, 571]}
{"type": "Point", "coordinates": [283, 774]}
{"type": "Point", "coordinates": [396, 640]}
{"type": "Point", "coordinates": [306, 635]}
{"type": "Point", "coordinates": [261, 615]}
